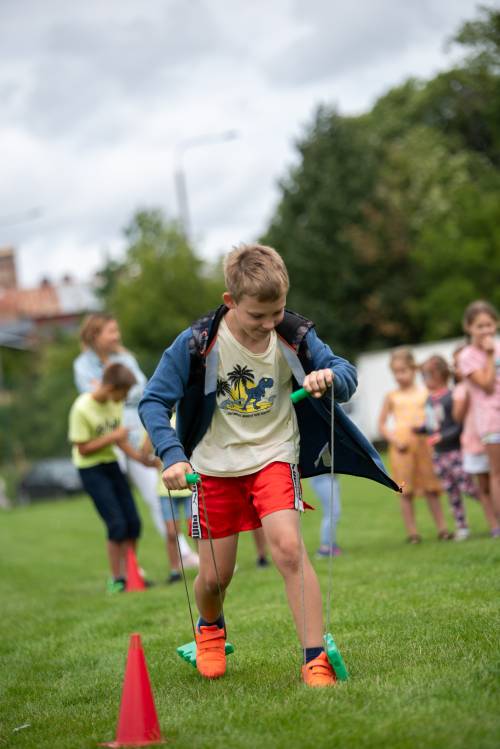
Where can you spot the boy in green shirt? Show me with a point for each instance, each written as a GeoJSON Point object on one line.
{"type": "Point", "coordinates": [94, 428]}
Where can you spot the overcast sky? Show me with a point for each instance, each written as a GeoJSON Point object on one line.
{"type": "Point", "coordinates": [97, 98]}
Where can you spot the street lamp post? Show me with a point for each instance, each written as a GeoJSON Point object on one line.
{"type": "Point", "coordinates": [181, 191]}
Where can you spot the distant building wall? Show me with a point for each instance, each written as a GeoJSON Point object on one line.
{"type": "Point", "coordinates": [8, 275]}
{"type": "Point", "coordinates": [375, 380]}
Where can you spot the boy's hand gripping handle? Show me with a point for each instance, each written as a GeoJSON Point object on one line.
{"type": "Point", "coordinates": [299, 395]}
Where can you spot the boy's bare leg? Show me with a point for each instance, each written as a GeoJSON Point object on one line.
{"type": "Point", "coordinates": [436, 511]}
{"type": "Point", "coordinates": [408, 513]}
{"type": "Point", "coordinates": [283, 536]}
{"type": "Point", "coordinates": [206, 589]}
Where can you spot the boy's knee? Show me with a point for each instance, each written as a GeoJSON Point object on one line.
{"type": "Point", "coordinates": [211, 584]}
{"type": "Point", "coordinates": [287, 552]}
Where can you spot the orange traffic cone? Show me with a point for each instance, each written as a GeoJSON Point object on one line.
{"type": "Point", "coordinates": [138, 722]}
{"type": "Point", "coordinates": [135, 580]}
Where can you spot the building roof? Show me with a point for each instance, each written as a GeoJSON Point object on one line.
{"type": "Point", "coordinates": [47, 301]}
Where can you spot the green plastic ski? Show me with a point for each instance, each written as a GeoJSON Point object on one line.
{"type": "Point", "coordinates": [336, 660]}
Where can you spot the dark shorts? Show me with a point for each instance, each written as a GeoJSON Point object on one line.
{"type": "Point", "coordinates": [111, 495]}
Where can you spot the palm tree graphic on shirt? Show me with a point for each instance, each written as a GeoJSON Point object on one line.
{"type": "Point", "coordinates": [246, 397]}
{"type": "Point", "coordinates": [223, 387]}
{"type": "Point", "coordinates": [240, 377]}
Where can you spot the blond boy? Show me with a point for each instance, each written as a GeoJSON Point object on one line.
{"type": "Point", "coordinates": [232, 373]}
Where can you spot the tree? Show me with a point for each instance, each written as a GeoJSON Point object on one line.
{"type": "Point", "coordinates": [388, 223]}
{"type": "Point", "coordinates": [320, 197]}
{"type": "Point", "coordinates": [160, 287]}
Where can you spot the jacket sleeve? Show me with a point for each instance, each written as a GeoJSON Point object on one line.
{"type": "Point", "coordinates": [345, 379]}
{"type": "Point", "coordinates": [165, 388]}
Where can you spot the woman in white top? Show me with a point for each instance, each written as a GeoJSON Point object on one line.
{"type": "Point", "coordinates": [101, 345]}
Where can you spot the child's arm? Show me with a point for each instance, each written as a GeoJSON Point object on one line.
{"type": "Point", "coordinates": [460, 406]}
{"type": "Point", "coordinates": [484, 377]}
{"type": "Point", "coordinates": [345, 379]}
{"type": "Point", "coordinates": [139, 455]}
{"type": "Point", "coordinates": [147, 453]}
{"type": "Point", "coordinates": [385, 411]}
{"type": "Point", "coordinates": [94, 445]}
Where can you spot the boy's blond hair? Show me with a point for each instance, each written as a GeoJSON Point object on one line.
{"type": "Point", "coordinates": [255, 270]}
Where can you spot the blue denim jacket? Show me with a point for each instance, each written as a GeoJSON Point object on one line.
{"type": "Point", "coordinates": [172, 384]}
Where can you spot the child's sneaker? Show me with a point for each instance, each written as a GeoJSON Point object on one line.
{"type": "Point", "coordinates": [174, 577]}
{"type": "Point", "coordinates": [115, 585]}
{"type": "Point", "coordinates": [319, 672]}
{"type": "Point", "coordinates": [461, 534]}
{"type": "Point", "coordinates": [211, 651]}
{"type": "Point", "coordinates": [495, 533]}
{"type": "Point", "coordinates": [324, 552]}
{"type": "Point", "coordinates": [262, 562]}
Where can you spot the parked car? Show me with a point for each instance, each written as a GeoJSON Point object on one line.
{"type": "Point", "coordinates": [50, 478]}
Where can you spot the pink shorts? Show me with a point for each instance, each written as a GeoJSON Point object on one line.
{"type": "Point", "coordinates": [237, 503]}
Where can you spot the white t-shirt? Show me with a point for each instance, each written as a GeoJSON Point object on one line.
{"type": "Point", "coordinates": [254, 422]}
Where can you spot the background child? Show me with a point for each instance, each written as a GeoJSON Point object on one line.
{"type": "Point", "coordinates": [480, 364]}
{"type": "Point", "coordinates": [409, 454]}
{"type": "Point", "coordinates": [444, 436]}
{"type": "Point", "coordinates": [322, 485]}
{"type": "Point", "coordinates": [94, 429]}
{"type": "Point", "coordinates": [474, 459]}
{"type": "Point", "coordinates": [181, 501]}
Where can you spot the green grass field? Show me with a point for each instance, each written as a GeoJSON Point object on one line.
{"type": "Point", "coordinates": [419, 628]}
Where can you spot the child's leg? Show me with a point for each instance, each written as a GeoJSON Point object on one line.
{"type": "Point", "coordinates": [98, 482]}
{"type": "Point", "coordinates": [457, 506]}
{"type": "Point", "coordinates": [115, 556]}
{"type": "Point", "coordinates": [436, 511]}
{"type": "Point", "coordinates": [283, 536]}
{"type": "Point", "coordinates": [172, 550]}
{"type": "Point", "coordinates": [448, 466]}
{"type": "Point", "coordinates": [260, 542]}
{"type": "Point", "coordinates": [408, 513]}
{"type": "Point", "coordinates": [322, 485]}
{"type": "Point", "coordinates": [125, 500]}
{"type": "Point", "coordinates": [483, 480]}
{"type": "Point", "coordinates": [493, 452]}
{"type": "Point", "coordinates": [206, 585]}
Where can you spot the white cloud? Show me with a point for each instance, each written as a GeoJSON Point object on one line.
{"type": "Point", "coordinates": [95, 97]}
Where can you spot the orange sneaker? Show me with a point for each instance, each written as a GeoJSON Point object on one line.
{"type": "Point", "coordinates": [211, 651]}
{"type": "Point", "coordinates": [319, 672]}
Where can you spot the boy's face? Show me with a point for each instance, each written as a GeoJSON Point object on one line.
{"type": "Point", "coordinates": [256, 319]}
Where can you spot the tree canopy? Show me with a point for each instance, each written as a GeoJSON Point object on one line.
{"type": "Point", "coordinates": [390, 223]}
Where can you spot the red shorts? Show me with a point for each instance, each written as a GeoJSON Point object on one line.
{"type": "Point", "coordinates": [237, 503]}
